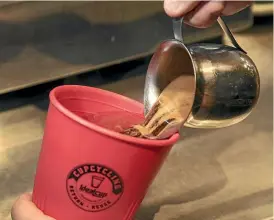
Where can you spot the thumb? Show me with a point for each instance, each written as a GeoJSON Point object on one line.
{"type": "Point", "coordinates": [25, 209]}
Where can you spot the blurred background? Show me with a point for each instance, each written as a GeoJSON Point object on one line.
{"type": "Point", "coordinates": [224, 174]}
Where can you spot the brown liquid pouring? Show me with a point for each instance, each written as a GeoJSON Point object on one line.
{"type": "Point", "coordinates": [170, 111]}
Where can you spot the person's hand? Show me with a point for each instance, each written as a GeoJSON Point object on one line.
{"type": "Point", "coordinates": [203, 14]}
{"type": "Point", "coordinates": [25, 209]}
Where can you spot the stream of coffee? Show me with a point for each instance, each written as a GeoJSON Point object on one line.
{"type": "Point", "coordinates": [169, 113]}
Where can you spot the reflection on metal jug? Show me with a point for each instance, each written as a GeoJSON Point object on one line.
{"type": "Point", "coordinates": [226, 82]}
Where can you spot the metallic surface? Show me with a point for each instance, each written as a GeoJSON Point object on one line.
{"type": "Point", "coordinates": [227, 80]}
{"type": "Point", "coordinates": [222, 174]}
{"type": "Point", "coordinates": [43, 41]}
{"type": "Point", "coordinates": [226, 30]}
{"type": "Point", "coordinates": [178, 31]}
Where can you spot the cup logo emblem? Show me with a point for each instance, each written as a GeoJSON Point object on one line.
{"type": "Point", "coordinates": [94, 187]}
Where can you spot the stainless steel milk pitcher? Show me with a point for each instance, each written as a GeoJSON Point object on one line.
{"type": "Point", "coordinates": [226, 81]}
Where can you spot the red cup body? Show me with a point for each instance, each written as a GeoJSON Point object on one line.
{"type": "Point", "coordinates": [89, 172]}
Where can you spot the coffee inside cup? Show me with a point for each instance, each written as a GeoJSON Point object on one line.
{"type": "Point", "coordinates": [169, 112]}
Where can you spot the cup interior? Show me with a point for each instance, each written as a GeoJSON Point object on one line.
{"type": "Point", "coordinates": [103, 111]}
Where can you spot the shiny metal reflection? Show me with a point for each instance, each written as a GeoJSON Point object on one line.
{"type": "Point", "coordinates": [226, 86]}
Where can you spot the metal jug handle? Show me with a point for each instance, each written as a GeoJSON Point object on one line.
{"type": "Point", "coordinates": [178, 31]}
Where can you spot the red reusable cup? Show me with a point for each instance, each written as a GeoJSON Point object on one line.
{"type": "Point", "coordinates": [86, 170]}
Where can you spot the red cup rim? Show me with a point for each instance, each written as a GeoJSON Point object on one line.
{"type": "Point", "coordinates": [138, 141]}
